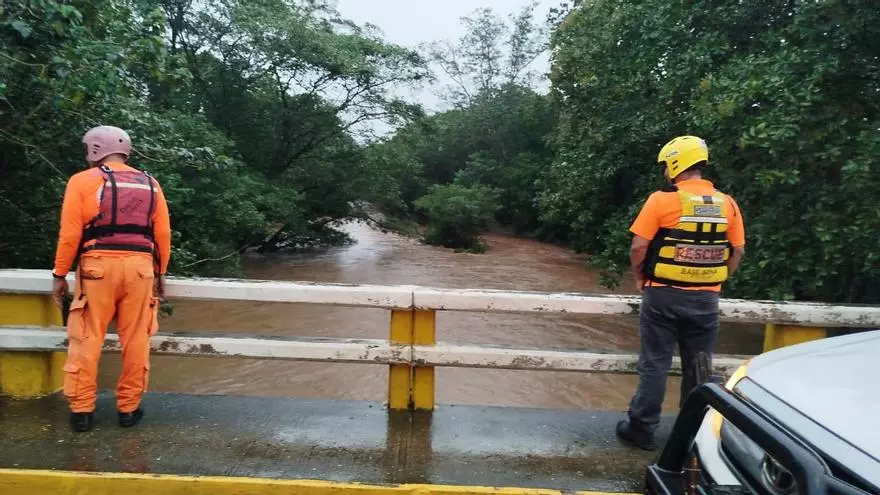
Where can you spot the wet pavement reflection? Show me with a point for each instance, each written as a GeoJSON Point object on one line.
{"type": "Point", "coordinates": [349, 441]}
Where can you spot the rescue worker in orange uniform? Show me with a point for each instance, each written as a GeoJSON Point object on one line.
{"type": "Point", "coordinates": [688, 240]}
{"type": "Point", "coordinates": [115, 226]}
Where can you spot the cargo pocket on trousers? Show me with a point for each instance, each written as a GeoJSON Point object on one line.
{"type": "Point", "coordinates": [154, 316]}
{"type": "Point", "coordinates": [72, 380]}
{"type": "Point", "coordinates": [76, 324]}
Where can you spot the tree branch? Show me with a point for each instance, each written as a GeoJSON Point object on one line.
{"type": "Point", "coordinates": [30, 148]}
{"type": "Point", "coordinates": [222, 258]}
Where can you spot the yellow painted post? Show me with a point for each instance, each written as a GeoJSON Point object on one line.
{"type": "Point", "coordinates": [400, 375]}
{"type": "Point", "coordinates": [777, 336]}
{"type": "Point", "coordinates": [30, 374]}
{"type": "Point", "coordinates": [29, 482]}
{"type": "Point", "coordinates": [423, 376]}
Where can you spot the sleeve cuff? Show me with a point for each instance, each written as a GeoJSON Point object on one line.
{"type": "Point", "coordinates": [641, 234]}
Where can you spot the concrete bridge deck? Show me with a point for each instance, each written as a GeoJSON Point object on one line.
{"type": "Point", "coordinates": [346, 441]}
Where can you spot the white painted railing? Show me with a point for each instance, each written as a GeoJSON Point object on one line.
{"type": "Point", "coordinates": [478, 300]}
{"type": "Point", "coordinates": [739, 310]}
{"type": "Point", "coordinates": [416, 298]}
{"type": "Point", "coordinates": [356, 351]}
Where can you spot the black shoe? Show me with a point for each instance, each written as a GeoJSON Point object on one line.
{"type": "Point", "coordinates": [81, 422]}
{"type": "Point", "coordinates": [131, 418]}
{"type": "Point", "coordinates": [638, 438]}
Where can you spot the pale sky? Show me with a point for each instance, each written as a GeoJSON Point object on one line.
{"type": "Point", "coordinates": [412, 22]}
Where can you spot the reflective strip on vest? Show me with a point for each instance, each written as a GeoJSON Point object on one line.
{"type": "Point", "coordinates": [128, 185]}
{"type": "Point", "coordinates": [694, 253]}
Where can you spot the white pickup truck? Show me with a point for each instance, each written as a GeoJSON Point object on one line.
{"type": "Point", "coordinates": [801, 420]}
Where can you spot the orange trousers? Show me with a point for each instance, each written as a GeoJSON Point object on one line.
{"type": "Point", "coordinates": [108, 286]}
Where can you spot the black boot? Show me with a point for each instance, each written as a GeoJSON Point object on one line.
{"type": "Point", "coordinates": [81, 422]}
{"type": "Point", "coordinates": [131, 418]}
{"type": "Point", "coordinates": [640, 439]}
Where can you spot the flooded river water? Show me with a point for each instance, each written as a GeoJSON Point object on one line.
{"type": "Point", "coordinates": [389, 259]}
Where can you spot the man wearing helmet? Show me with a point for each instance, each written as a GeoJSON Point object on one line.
{"type": "Point", "coordinates": [688, 240]}
{"type": "Point", "coordinates": [115, 227]}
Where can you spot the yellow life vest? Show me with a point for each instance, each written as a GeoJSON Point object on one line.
{"type": "Point", "coordinates": [694, 253]}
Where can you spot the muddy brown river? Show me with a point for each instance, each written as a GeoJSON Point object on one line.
{"type": "Point", "coordinates": [389, 259]}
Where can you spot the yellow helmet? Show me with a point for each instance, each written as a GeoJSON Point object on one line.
{"type": "Point", "coordinates": [683, 153]}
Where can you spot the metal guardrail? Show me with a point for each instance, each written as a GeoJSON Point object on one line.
{"type": "Point", "coordinates": [738, 310]}
{"type": "Point", "coordinates": [411, 350]}
{"type": "Point", "coordinates": [479, 300]}
{"type": "Point", "coordinates": [364, 351]}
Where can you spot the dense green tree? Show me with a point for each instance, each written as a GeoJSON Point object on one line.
{"type": "Point", "coordinates": [493, 137]}
{"type": "Point", "coordinates": [491, 54]}
{"type": "Point", "coordinates": [785, 95]}
{"type": "Point", "coordinates": [246, 112]}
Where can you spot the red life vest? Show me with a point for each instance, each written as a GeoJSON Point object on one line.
{"type": "Point", "coordinates": [125, 217]}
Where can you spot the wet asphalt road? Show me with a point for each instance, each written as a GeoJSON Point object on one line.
{"type": "Point", "coordinates": [330, 440]}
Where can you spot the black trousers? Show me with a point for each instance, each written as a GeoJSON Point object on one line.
{"type": "Point", "coordinates": [670, 316]}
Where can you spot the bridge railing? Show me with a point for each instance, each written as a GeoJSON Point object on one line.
{"type": "Point", "coordinates": [32, 340]}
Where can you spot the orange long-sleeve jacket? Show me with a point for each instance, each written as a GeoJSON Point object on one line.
{"type": "Point", "coordinates": [81, 204]}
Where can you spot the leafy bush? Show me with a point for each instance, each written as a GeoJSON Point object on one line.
{"type": "Point", "coordinates": [457, 215]}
